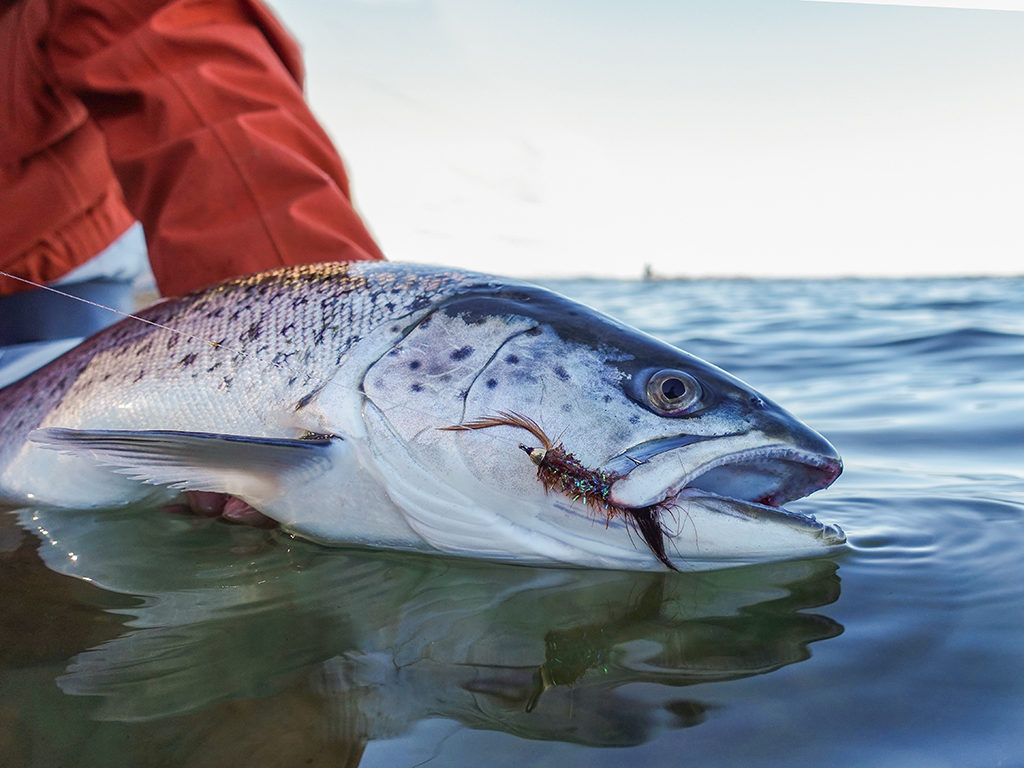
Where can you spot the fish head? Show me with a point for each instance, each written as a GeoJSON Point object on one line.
{"type": "Point", "coordinates": [680, 455]}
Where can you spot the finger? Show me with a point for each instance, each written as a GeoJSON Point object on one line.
{"type": "Point", "coordinates": [237, 511]}
{"type": "Point", "coordinates": [206, 503]}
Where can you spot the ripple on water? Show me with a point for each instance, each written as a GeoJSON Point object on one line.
{"type": "Point", "coordinates": [902, 649]}
{"type": "Point", "coordinates": [951, 548]}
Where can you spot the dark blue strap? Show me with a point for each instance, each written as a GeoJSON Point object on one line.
{"type": "Point", "coordinates": [40, 315]}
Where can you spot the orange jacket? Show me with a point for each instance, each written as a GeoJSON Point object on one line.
{"type": "Point", "coordinates": [189, 115]}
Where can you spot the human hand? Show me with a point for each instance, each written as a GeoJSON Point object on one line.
{"type": "Point", "coordinates": [229, 508]}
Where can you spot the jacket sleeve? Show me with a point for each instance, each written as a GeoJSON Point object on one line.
{"type": "Point", "coordinates": [208, 133]}
{"type": "Point", "coordinates": [59, 199]}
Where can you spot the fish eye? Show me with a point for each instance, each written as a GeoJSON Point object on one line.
{"type": "Point", "coordinates": [673, 393]}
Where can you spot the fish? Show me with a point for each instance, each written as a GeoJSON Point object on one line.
{"type": "Point", "coordinates": [340, 400]}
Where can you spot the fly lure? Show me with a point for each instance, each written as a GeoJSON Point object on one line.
{"type": "Point", "coordinates": [559, 470]}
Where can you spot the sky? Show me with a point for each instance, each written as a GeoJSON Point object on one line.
{"type": "Point", "coordinates": [699, 137]}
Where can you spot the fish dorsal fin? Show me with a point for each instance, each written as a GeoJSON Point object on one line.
{"type": "Point", "coordinates": [249, 467]}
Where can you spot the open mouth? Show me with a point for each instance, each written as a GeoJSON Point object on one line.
{"type": "Point", "coordinates": [770, 476]}
{"type": "Point", "coordinates": [750, 482]}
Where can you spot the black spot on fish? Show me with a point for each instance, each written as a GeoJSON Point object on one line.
{"type": "Point", "coordinates": [634, 419]}
{"type": "Point", "coordinates": [566, 408]}
{"type": "Point", "coordinates": [561, 373]}
{"type": "Point", "coordinates": [172, 342]}
{"type": "Point", "coordinates": [252, 333]}
{"type": "Point", "coordinates": [492, 383]}
{"type": "Point", "coordinates": [512, 359]}
{"type": "Point", "coordinates": [304, 400]}
{"type": "Point", "coordinates": [416, 387]}
{"type": "Point", "coordinates": [393, 353]}
{"type": "Point", "coordinates": [461, 353]}
{"type": "Point", "coordinates": [607, 398]}
{"type": "Point", "coordinates": [139, 375]}
{"type": "Point", "coordinates": [618, 436]}
{"type": "Point", "coordinates": [188, 359]}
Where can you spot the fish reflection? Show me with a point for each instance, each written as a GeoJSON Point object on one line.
{"type": "Point", "coordinates": [384, 641]}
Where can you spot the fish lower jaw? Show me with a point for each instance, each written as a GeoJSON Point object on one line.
{"type": "Point", "coordinates": [829, 534]}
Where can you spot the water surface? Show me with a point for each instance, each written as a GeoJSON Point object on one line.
{"type": "Point", "coordinates": [134, 638]}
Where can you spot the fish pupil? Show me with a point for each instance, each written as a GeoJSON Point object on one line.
{"type": "Point", "coordinates": [673, 388]}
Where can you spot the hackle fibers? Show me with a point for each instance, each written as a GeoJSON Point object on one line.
{"type": "Point", "coordinates": [559, 470]}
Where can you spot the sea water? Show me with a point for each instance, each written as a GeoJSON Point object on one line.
{"type": "Point", "coordinates": [179, 641]}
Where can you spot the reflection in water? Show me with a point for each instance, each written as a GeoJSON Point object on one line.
{"type": "Point", "coordinates": [365, 645]}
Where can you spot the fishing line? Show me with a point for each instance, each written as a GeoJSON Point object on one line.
{"type": "Point", "coordinates": [96, 304]}
{"type": "Point", "coordinates": [241, 353]}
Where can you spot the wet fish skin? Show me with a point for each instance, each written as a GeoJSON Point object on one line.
{"type": "Point", "coordinates": [371, 360]}
{"type": "Point", "coordinates": [293, 319]}
{"type": "Point", "coordinates": [268, 338]}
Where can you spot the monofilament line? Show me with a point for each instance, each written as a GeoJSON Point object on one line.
{"type": "Point", "coordinates": [96, 304]}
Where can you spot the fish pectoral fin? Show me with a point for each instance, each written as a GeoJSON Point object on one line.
{"type": "Point", "coordinates": [249, 467]}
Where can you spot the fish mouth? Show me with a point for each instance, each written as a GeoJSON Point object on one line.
{"type": "Point", "coordinates": [754, 482]}
{"type": "Point", "coordinates": [769, 476]}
